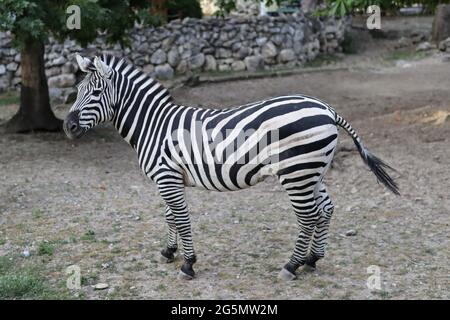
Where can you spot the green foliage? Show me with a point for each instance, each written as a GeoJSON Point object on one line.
{"type": "Point", "coordinates": [344, 7]}
{"type": "Point", "coordinates": [45, 249]}
{"type": "Point", "coordinates": [38, 19]}
{"type": "Point", "coordinates": [185, 8]}
{"type": "Point", "coordinates": [88, 236]}
{"type": "Point", "coordinates": [226, 6]}
{"type": "Point", "coordinates": [20, 286]}
{"type": "Point", "coordinates": [8, 98]}
{"type": "Point", "coordinates": [19, 281]}
{"type": "Point", "coordinates": [405, 55]}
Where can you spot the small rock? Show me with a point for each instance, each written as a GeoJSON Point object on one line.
{"type": "Point", "coordinates": [210, 63]}
{"type": "Point", "coordinates": [197, 61]}
{"type": "Point", "coordinates": [50, 72]}
{"type": "Point", "coordinates": [403, 64]}
{"type": "Point", "coordinates": [182, 67]}
{"type": "Point", "coordinates": [101, 286]}
{"type": "Point", "coordinates": [351, 233]}
{"type": "Point", "coordinates": [56, 95]}
{"type": "Point", "coordinates": [424, 46]}
{"type": "Point", "coordinates": [69, 67]}
{"type": "Point", "coordinates": [286, 55]}
{"type": "Point", "coordinates": [254, 63]}
{"type": "Point", "coordinates": [2, 69]}
{"type": "Point", "coordinates": [26, 253]}
{"type": "Point", "coordinates": [269, 50]}
{"type": "Point", "coordinates": [444, 45]}
{"type": "Point", "coordinates": [238, 66]}
{"type": "Point", "coordinates": [148, 69]}
{"type": "Point", "coordinates": [403, 42]}
{"type": "Point", "coordinates": [158, 57]}
{"type": "Point", "coordinates": [62, 81]}
{"type": "Point", "coordinates": [59, 61]}
{"type": "Point", "coordinates": [164, 72]}
{"type": "Point", "coordinates": [173, 57]}
{"type": "Point", "coordinates": [12, 66]}
{"type": "Point", "coordinates": [224, 67]}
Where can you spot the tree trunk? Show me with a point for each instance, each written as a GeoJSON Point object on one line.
{"type": "Point", "coordinates": [34, 112]}
{"type": "Point", "coordinates": [441, 24]}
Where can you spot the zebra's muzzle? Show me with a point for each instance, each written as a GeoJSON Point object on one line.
{"type": "Point", "coordinates": [72, 125]}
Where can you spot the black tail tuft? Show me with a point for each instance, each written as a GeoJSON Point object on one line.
{"type": "Point", "coordinates": [377, 166]}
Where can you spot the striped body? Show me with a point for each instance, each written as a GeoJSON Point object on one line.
{"type": "Point", "coordinates": [290, 137]}
{"type": "Point", "coordinates": [282, 135]}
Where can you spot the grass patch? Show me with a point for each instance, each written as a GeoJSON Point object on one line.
{"type": "Point", "coordinates": [89, 279]}
{"type": "Point", "coordinates": [88, 236]}
{"type": "Point", "coordinates": [6, 263]}
{"type": "Point", "coordinates": [37, 213]}
{"type": "Point", "coordinates": [45, 248]}
{"type": "Point", "coordinates": [8, 98]}
{"type": "Point", "coordinates": [161, 287]}
{"type": "Point", "coordinates": [405, 55]}
{"type": "Point", "coordinates": [382, 294]}
{"type": "Point", "coordinates": [21, 285]}
{"type": "Point", "coordinates": [20, 279]}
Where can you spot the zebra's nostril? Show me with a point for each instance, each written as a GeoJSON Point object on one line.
{"type": "Point", "coordinates": [73, 127]}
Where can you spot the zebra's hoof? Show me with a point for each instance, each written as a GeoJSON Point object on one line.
{"type": "Point", "coordinates": [184, 276]}
{"type": "Point", "coordinates": [167, 255]}
{"type": "Point", "coordinates": [286, 275]}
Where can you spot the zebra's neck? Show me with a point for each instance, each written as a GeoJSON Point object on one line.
{"type": "Point", "coordinates": [138, 98]}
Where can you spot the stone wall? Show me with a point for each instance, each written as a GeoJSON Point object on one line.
{"type": "Point", "coordinates": [192, 45]}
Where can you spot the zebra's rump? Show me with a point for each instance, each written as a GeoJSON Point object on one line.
{"type": "Point", "coordinates": [237, 148]}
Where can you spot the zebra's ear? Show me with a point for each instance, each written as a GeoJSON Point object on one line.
{"type": "Point", "coordinates": [83, 63]}
{"type": "Point", "coordinates": [102, 68]}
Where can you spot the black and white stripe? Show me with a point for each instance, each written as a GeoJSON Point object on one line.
{"type": "Point", "coordinates": [290, 137]}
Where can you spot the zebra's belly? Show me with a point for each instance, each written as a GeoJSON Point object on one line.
{"type": "Point", "coordinates": [299, 157]}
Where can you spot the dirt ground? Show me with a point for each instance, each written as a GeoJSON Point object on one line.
{"type": "Point", "coordinates": [86, 202]}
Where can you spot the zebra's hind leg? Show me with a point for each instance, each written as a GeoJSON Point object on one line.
{"type": "Point", "coordinates": [173, 194]}
{"type": "Point", "coordinates": [319, 240]}
{"type": "Point", "coordinates": [168, 253]}
{"type": "Point", "coordinates": [307, 212]}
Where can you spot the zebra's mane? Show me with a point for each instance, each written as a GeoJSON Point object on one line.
{"type": "Point", "coordinates": [120, 64]}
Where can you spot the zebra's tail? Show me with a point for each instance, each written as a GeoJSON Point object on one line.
{"type": "Point", "coordinates": [376, 165]}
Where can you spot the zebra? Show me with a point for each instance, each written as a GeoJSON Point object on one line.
{"type": "Point", "coordinates": [179, 146]}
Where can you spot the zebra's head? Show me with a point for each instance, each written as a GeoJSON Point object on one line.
{"type": "Point", "coordinates": [94, 103]}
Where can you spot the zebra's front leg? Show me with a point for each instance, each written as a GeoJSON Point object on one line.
{"type": "Point", "coordinates": [168, 253]}
{"type": "Point", "coordinates": [173, 195]}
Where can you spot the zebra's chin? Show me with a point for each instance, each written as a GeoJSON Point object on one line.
{"type": "Point", "coordinates": [74, 135]}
